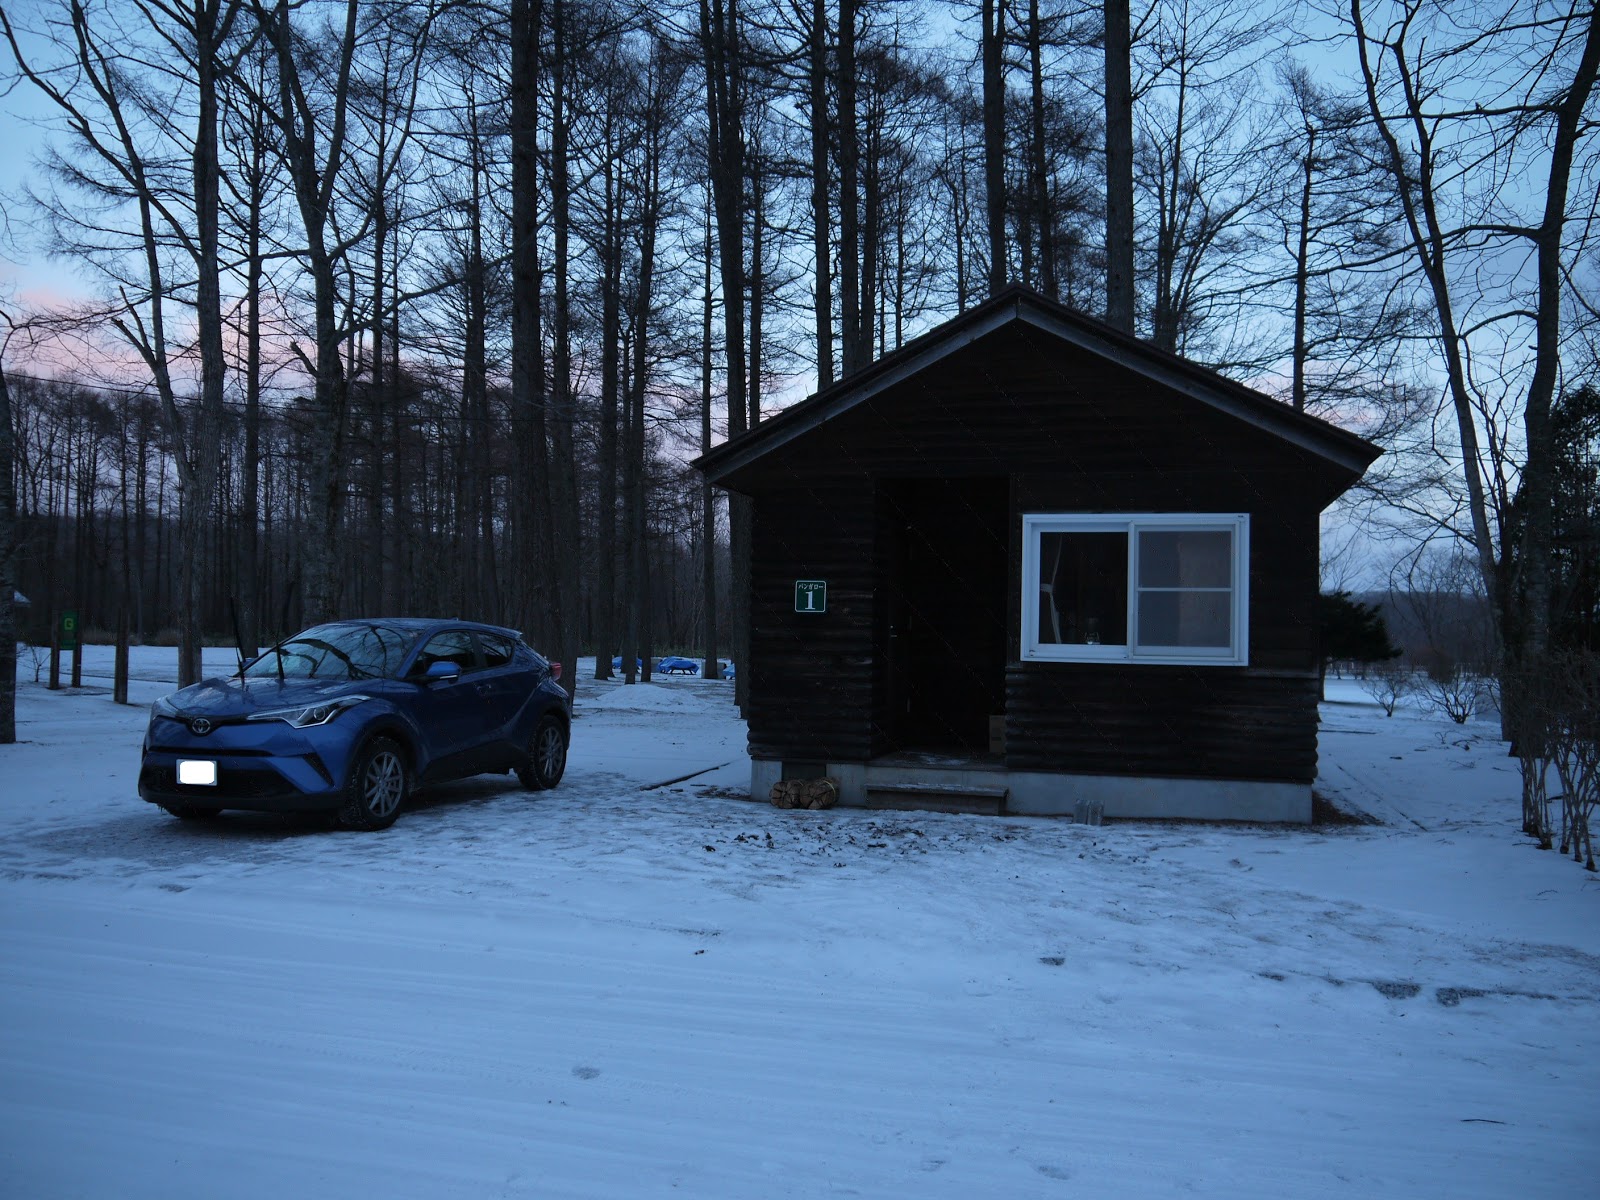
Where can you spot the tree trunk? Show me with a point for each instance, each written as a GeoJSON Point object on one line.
{"type": "Point", "coordinates": [607, 549]}
{"type": "Point", "coordinates": [853, 341]}
{"type": "Point", "coordinates": [821, 225]}
{"type": "Point", "coordinates": [637, 644]}
{"type": "Point", "coordinates": [708, 511]}
{"type": "Point", "coordinates": [725, 110]}
{"type": "Point", "coordinates": [758, 285]}
{"type": "Point", "coordinates": [871, 232]}
{"type": "Point", "coordinates": [8, 569]}
{"type": "Point", "coordinates": [1302, 272]}
{"type": "Point", "coordinates": [562, 419]}
{"type": "Point", "coordinates": [527, 351]}
{"type": "Point", "coordinates": [1119, 166]}
{"type": "Point", "coordinates": [249, 550]}
{"type": "Point", "coordinates": [1043, 218]}
{"type": "Point", "coordinates": [314, 175]}
{"type": "Point", "coordinates": [378, 417]}
{"type": "Point", "coordinates": [206, 444]}
{"type": "Point", "coordinates": [994, 139]}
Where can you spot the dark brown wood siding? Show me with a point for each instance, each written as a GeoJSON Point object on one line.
{"type": "Point", "coordinates": [1070, 434]}
{"type": "Point", "coordinates": [1207, 723]}
{"type": "Point", "coordinates": [811, 675]}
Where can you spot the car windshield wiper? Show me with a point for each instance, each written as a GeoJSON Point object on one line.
{"type": "Point", "coordinates": [275, 651]}
{"type": "Point", "coordinates": [279, 653]}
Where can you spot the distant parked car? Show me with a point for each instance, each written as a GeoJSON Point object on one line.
{"type": "Point", "coordinates": [352, 716]}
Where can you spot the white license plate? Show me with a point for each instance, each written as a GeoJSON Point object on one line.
{"type": "Point", "coordinates": [197, 772]}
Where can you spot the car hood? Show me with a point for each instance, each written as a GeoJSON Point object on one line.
{"type": "Point", "coordinates": [230, 696]}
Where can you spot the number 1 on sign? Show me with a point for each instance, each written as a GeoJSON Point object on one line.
{"type": "Point", "coordinates": [810, 595]}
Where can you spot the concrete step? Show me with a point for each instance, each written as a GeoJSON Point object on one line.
{"type": "Point", "coordinates": [938, 797]}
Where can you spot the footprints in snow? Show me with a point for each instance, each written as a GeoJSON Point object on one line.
{"type": "Point", "coordinates": [1405, 989]}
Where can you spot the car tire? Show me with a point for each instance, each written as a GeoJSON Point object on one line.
{"type": "Point", "coordinates": [185, 811]}
{"type": "Point", "coordinates": [377, 786]}
{"type": "Point", "coordinates": [547, 755]}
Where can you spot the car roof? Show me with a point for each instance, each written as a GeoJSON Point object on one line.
{"type": "Point", "coordinates": [419, 625]}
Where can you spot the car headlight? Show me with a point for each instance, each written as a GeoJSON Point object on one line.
{"type": "Point", "coordinates": [164, 707]}
{"type": "Point", "coordinates": [304, 716]}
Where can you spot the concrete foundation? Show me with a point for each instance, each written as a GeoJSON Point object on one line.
{"type": "Point", "coordinates": [1057, 794]}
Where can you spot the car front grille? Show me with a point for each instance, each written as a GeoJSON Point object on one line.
{"type": "Point", "coordinates": [233, 783]}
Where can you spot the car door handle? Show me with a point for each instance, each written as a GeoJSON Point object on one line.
{"type": "Point", "coordinates": [485, 689]}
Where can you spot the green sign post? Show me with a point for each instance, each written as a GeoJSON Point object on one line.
{"type": "Point", "coordinates": [69, 629]}
{"type": "Point", "coordinates": [811, 595]}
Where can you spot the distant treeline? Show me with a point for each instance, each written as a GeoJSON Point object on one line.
{"type": "Point", "coordinates": [98, 502]}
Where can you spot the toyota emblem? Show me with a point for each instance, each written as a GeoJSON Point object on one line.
{"type": "Point", "coordinates": [199, 727]}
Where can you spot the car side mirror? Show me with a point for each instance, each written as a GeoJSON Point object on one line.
{"type": "Point", "coordinates": [442, 670]}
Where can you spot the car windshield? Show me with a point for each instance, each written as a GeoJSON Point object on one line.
{"type": "Point", "coordinates": [335, 652]}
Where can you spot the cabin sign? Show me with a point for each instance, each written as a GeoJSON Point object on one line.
{"type": "Point", "coordinates": [811, 595]}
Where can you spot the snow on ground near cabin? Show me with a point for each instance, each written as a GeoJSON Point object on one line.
{"type": "Point", "coordinates": [619, 989]}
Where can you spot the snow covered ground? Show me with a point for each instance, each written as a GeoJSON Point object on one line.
{"type": "Point", "coordinates": [626, 989]}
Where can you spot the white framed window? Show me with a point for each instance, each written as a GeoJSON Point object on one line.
{"type": "Point", "coordinates": [1136, 587]}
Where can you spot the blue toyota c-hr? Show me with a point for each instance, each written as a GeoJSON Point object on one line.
{"type": "Point", "coordinates": [350, 717]}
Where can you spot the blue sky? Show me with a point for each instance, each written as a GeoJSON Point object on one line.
{"type": "Point", "coordinates": [25, 270]}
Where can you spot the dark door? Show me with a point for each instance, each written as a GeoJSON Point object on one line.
{"type": "Point", "coordinates": [947, 552]}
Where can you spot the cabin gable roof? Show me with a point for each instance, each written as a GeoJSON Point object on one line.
{"type": "Point", "coordinates": [732, 464]}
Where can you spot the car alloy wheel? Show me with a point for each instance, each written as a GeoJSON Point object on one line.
{"type": "Point", "coordinates": [378, 783]}
{"type": "Point", "coordinates": [547, 756]}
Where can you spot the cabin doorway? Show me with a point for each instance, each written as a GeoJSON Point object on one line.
{"type": "Point", "coordinates": [946, 554]}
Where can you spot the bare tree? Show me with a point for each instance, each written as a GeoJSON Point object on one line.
{"type": "Point", "coordinates": [1038, 165]}
{"type": "Point", "coordinates": [721, 44]}
{"type": "Point", "coordinates": [992, 49]}
{"type": "Point", "coordinates": [8, 560]}
{"type": "Point", "coordinates": [1118, 48]}
{"type": "Point", "coordinates": [855, 340]}
{"type": "Point", "coordinates": [129, 146]}
{"type": "Point", "coordinates": [1336, 213]}
{"type": "Point", "coordinates": [708, 510]}
{"type": "Point", "coordinates": [821, 222]}
{"type": "Point", "coordinates": [1201, 164]}
{"type": "Point", "coordinates": [562, 417]}
{"type": "Point", "coordinates": [310, 110]}
{"type": "Point", "coordinates": [1482, 113]}
{"type": "Point", "coordinates": [528, 386]}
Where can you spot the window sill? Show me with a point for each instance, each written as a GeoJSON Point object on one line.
{"type": "Point", "coordinates": [1077, 656]}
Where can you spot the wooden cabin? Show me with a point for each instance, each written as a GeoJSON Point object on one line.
{"type": "Point", "coordinates": [1028, 564]}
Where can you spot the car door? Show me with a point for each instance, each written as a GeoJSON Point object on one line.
{"type": "Point", "coordinates": [507, 680]}
{"type": "Point", "coordinates": [450, 712]}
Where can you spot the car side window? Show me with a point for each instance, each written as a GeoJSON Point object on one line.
{"type": "Point", "coordinates": [497, 651]}
{"type": "Point", "coordinates": [453, 645]}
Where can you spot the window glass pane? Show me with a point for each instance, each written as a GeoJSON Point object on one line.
{"type": "Point", "coordinates": [497, 652]}
{"type": "Point", "coordinates": [454, 645]}
{"type": "Point", "coordinates": [1185, 558]}
{"type": "Point", "coordinates": [1199, 619]}
{"type": "Point", "coordinates": [1083, 589]}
